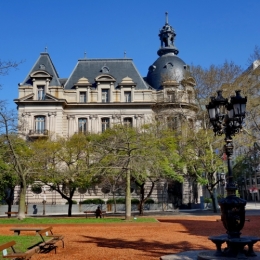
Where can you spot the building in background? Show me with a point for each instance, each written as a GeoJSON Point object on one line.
{"type": "Point", "coordinates": [102, 92]}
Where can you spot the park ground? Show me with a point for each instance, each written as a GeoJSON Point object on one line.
{"type": "Point", "coordinates": [139, 241]}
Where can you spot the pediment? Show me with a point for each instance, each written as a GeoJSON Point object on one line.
{"type": "Point", "coordinates": [82, 82]}
{"type": "Point", "coordinates": [127, 80]}
{"type": "Point", "coordinates": [27, 97]}
{"type": "Point", "coordinates": [106, 77]}
{"type": "Point", "coordinates": [40, 74]}
{"type": "Point", "coordinates": [50, 97]}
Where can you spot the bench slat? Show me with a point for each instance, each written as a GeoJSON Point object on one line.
{"type": "Point", "coordinates": [26, 255]}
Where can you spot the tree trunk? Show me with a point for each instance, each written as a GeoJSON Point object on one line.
{"type": "Point", "coordinates": [213, 202]}
{"type": "Point", "coordinates": [141, 204]}
{"type": "Point", "coordinates": [114, 200]}
{"type": "Point", "coordinates": [70, 203]}
{"type": "Point", "coordinates": [9, 198]}
{"type": "Point", "coordinates": [22, 207]}
{"type": "Point", "coordinates": [128, 196]}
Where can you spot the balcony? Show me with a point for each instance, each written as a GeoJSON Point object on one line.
{"type": "Point", "coordinates": [38, 133]}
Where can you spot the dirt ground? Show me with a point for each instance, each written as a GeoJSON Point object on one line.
{"type": "Point", "coordinates": [138, 241]}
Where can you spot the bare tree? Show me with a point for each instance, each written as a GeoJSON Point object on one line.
{"type": "Point", "coordinates": [6, 66]}
{"type": "Point", "coordinates": [19, 153]}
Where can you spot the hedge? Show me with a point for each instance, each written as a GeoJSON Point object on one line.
{"type": "Point", "coordinates": [93, 201]}
{"type": "Point", "coordinates": [73, 202]}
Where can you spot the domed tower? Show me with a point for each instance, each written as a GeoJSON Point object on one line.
{"type": "Point", "coordinates": [175, 103]}
{"type": "Point", "coordinates": [168, 67]}
{"type": "Point", "coordinates": [170, 77]}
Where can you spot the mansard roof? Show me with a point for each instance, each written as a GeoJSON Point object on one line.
{"type": "Point", "coordinates": [44, 67]}
{"type": "Point", "coordinates": [118, 69]}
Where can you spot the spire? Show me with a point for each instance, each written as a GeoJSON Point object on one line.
{"type": "Point", "coordinates": [166, 18]}
{"type": "Point", "coordinates": [167, 35]}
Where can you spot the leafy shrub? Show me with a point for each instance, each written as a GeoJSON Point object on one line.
{"type": "Point", "coordinates": [207, 200]}
{"type": "Point", "coordinates": [36, 188]}
{"type": "Point", "coordinates": [135, 201]}
{"type": "Point", "coordinates": [73, 202]}
{"type": "Point", "coordinates": [93, 201]}
{"type": "Point", "coordinates": [122, 201]}
{"type": "Point", "coordinates": [149, 201]}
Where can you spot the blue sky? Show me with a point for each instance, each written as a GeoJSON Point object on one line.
{"type": "Point", "coordinates": [208, 32]}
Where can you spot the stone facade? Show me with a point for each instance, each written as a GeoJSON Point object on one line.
{"type": "Point", "coordinates": [102, 92]}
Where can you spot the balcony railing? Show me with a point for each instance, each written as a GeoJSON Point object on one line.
{"type": "Point", "coordinates": [38, 132]}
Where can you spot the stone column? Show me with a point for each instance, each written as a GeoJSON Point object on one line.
{"type": "Point", "coordinates": [139, 120]}
{"type": "Point", "coordinates": [52, 121]}
{"type": "Point", "coordinates": [93, 123]}
{"type": "Point", "coordinates": [71, 121]}
{"type": "Point", "coordinates": [26, 122]}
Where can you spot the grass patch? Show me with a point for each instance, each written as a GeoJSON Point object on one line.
{"type": "Point", "coordinates": [72, 220]}
{"type": "Point", "coordinates": [22, 242]}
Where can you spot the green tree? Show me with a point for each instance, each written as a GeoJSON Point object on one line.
{"type": "Point", "coordinates": [19, 153]}
{"type": "Point", "coordinates": [202, 160]}
{"type": "Point", "coordinates": [139, 155]}
{"type": "Point", "coordinates": [64, 165]}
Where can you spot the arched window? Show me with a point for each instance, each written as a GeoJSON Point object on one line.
{"type": "Point", "coordinates": [82, 125]}
{"type": "Point", "coordinates": [39, 124]}
{"type": "Point", "coordinates": [105, 124]}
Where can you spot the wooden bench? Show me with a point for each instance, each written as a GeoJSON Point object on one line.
{"type": "Point", "coordinates": [16, 255]}
{"type": "Point", "coordinates": [49, 244]}
{"type": "Point", "coordinates": [88, 212]}
{"type": "Point", "coordinates": [12, 213]}
{"type": "Point", "coordinates": [17, 230]}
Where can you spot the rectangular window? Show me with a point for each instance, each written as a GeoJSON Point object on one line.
{"type": "Point", "coordinates": [105, 124]}
{"type": "Point", "coordinates": [39, 124]}
{"type": "Point", "coordinates": [82, 125]}
{"type": "Point", "coordinates": [40, 92]}
{"type": "Point", "coordinates": [171, 96]}
{"type": "Point", "coordinates": [127, 96]}
{"type": "Point", "coordinates": [82, 97]}
{"type": "Point", "coordinates": [128, 122]}
{"type": "Point", "coordinates": [105, 95]}
{"type": "Point", "coordinates": [172, 122]}
{"type": "Point", "coordinates": [189, 96]}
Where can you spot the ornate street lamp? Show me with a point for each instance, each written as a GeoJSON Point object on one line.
{"type": "Point", "coordinates": [226, 117]}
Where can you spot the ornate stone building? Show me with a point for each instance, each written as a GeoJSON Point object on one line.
{"type": "Point", "coordinates": [102, 92]}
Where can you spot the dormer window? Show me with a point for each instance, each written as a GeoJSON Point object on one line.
{"type": "Point", "coordinates": [105, 96]}
{"type": "Point", "coordinates": [82, 97]}
{"type": "Point", "coordinates": [41, 92]}
{"type": "Point", "coordinates": [190, 97]}
{"type": "Point", "coordinates": [127, 95]}
{"type": "Point", "coordinates": [171, 96]}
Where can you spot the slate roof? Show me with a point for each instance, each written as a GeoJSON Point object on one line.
{"type": "Point", "coordinates": [44, 63]}
{"type": "Point", "coordinates": [117, 68]}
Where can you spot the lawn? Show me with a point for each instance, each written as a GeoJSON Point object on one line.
{"type": "Point", "coordinates": [22, 242]}
{"type": "Point", "coordinates": [72, 220]}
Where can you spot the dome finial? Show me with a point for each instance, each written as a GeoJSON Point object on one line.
{"type": "Point", "coordinates": [167, 35]}
{"type": "Point", "coordinates": [166, 17]}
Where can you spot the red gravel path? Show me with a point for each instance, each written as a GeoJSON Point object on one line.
{"type": "Point", "coordinates": [137, 241]}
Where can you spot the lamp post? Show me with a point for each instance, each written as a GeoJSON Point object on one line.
{"type": "Point", "coordinates": [226, 117]}
{"type": "Point", "coordinates": [222, 181]}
